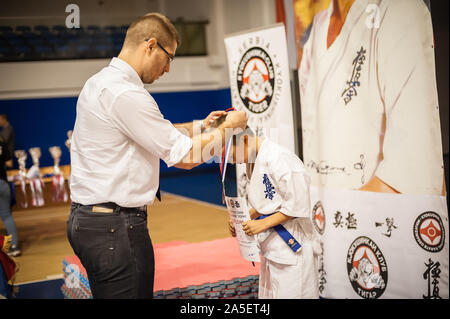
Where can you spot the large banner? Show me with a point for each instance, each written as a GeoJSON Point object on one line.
{"type": "Point", "coordinates": [372, 146]}
{"type": "Point", "coordinates": [260, 86]}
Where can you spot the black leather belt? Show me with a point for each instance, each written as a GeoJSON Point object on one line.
{"type": "Point", "coordinates": [115, 207]}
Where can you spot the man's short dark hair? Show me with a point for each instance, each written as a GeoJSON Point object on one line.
{"type": "Point", "coordinates": [152, 25]}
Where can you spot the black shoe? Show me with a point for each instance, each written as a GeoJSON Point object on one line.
{"type": "Point", "coordinates": [14, 251]}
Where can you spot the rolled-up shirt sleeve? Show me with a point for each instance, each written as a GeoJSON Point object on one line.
{"type": "Point", "coordinates": [136, 114]}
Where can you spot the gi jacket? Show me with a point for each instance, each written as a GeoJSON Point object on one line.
{"type": "Point", "coordinates": [279, 183]}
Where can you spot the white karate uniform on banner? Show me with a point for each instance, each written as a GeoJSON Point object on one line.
{"type": "Point", "coordinates": [370, 108]}
{"type": "Point", "coordinates": [369, 101]}
{"type": "Point", "coordinates": [279, 183]}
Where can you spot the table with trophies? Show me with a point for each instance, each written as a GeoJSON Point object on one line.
{"type": "Point", "coordinates": [40, 186]}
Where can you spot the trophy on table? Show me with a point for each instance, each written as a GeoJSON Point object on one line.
{"type": "Point", "coordinates": [21, 156]}
{"type": "Point", "coordinates": [69, 138]}
{"type": "Point", "coordinates": [35, 178]}
{"type": "Point", "coordinates": [59, 190]}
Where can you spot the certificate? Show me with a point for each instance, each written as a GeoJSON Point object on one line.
{"type": "Point", "coordinates": [237, 208]}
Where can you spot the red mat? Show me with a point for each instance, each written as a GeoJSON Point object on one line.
{"type": "Point", "coordinates": [179, 264]}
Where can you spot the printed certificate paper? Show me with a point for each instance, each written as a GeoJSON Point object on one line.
{"type": "Point", "coordinates": [237, 208]}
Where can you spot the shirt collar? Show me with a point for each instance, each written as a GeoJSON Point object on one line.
{"type": "Point", "coordinates": [128, 70]}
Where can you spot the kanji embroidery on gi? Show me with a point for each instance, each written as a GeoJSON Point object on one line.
{"type": "Point", "coordinates": [269, 191]}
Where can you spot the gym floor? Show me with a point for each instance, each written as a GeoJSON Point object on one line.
{"type": "Point", "coordinates": [190, 210]}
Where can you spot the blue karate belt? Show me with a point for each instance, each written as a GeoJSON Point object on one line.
{"type": "Point", "coordinates": [285, 235]}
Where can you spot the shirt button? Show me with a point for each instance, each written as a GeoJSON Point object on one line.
{"type": "Point", "coordinates": [138, 215]}
{"type": "Point", "coordinates": [112, 230]}
{"type": "Point", "coordinates": [131, 226]}
{"type": "Point", "coordinates": [111, 248]}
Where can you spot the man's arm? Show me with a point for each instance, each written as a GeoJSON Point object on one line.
{"type": "Point", "coordinates": [186, 128]}
{"type": "Point", "coordinates": [213, 139]}
{"type": "Point", "coordinates": [196, 127]}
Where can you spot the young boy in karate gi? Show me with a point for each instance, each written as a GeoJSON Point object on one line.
{"type": "Point", "coordinates": [278, 190]}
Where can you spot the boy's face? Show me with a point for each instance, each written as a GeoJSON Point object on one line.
{"type": "Point", "coordinates": [243, 149]}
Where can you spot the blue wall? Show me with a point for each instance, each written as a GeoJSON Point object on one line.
{"type": "Point", "coordinates": [45, 122]}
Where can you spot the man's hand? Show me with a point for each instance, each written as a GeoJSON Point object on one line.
{"type": "Point", "coordinates": [212, 117]}
{"type": "Point", "coordinates": [236, 119]}
{"type": "Point", "coordinates": [253, 227]}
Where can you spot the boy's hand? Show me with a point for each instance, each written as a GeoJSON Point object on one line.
{"type": "Point", "coordinates": [231, 228]}
{"type": "Point", "coordinates": [253, 227]}
{"type": "Point", "coordinates": [253, 213]}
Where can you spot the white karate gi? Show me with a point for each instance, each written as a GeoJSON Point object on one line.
{"type": "Point", "coordinates": [279, 183]}
{"type": "Point", "coordinates": [369, 101]}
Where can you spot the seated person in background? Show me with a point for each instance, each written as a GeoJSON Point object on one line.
{"type": "Point", "coordinates": [278, 194]}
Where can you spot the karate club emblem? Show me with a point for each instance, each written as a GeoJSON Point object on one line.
{"type": "Point", "coordinates": [367, 268]}
{"type": "Point", "coordinates": [255, 80]}
{"type": "Point", "coordinates": [429, 232]}
{"type": "Point", "coordinates": [318, 218]}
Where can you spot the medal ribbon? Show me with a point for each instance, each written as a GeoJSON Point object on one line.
{"type": "Point", "coordinates": [223, 164]}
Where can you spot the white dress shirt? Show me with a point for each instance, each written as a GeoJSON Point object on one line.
{"type": "Point", "coordinates": [119, 137]}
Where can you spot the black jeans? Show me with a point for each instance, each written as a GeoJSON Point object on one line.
{"type": "Point", "coordinates": [116, 250]}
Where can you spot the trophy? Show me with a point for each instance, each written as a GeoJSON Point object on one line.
{"type": "Point", "coordinates": [55, 152]}
{"type": "Point", "coordinates": [69, 138]}
{"type": "Point", "coordinates": [34, 175]}
{"type": "Point", "coordinates": [59, 190]}
{"type": "Point", "coordinates": [21, 156]}
{"type": "Point", "coordinates": [34, 172]}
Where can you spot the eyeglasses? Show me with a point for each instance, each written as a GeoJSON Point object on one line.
{"type": "Point", "coordinates": [170, 56]}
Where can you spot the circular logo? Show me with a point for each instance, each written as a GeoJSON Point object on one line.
{"type": "Point", "coordinates": [367, 268]}
{"type": "Point", "coordinates": [255, 80]}
{"type": "Point", "coordinates": [429, 232]}
{"type": "Point", "coordinates": [318, 218]}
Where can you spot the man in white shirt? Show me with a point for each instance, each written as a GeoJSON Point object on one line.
{"type": "Point", "coordinates": [118, 140]}
{"type": "Point", "coordinates": [278, 194]}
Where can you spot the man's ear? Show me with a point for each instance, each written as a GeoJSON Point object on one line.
{"type": "Point", "coordinates": [151, 44]}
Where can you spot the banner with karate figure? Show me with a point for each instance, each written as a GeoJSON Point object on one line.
{"type": "Point", "coordinates": [372, 146]}
{"type": "Point", "coordinates": [260, 86]}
